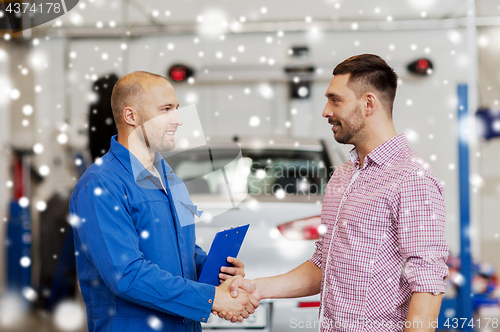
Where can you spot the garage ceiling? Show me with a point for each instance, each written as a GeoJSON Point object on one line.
{"type": "Point", "coordinates": [105, 14]}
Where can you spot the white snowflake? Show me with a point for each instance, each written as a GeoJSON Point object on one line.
{"type": "Point", "coordinates": [254, 121]}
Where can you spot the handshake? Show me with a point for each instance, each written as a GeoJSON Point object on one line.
{"type": "Point", "coordinates": [236, 298]}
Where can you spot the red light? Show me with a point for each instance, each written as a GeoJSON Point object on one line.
{"type": "Point", "coordinates": [302, 229]}
{"type": "Point", "coordinates": [422, 63]}
{"type": "Point", "coordinates": [309, 304]}
{"type": "Point", "coordinates": [421, 67]}
{"type": "Point", "coordinates": [178, 73]}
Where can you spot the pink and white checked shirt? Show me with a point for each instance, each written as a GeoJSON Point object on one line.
{"type": "Point", "coordinates": [384, 239]}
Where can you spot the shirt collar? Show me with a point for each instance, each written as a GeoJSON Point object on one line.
{"type": "Point", "coordinates": [133, 165]}
{"type": "Point", "coordinates": [383, 153]}
{"type": "Point", "coordinates": [140, 172]}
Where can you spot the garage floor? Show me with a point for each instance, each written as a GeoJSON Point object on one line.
{"type": "Point", "coordinates": [37, 322]}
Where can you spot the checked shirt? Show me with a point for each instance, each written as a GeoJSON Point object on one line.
{"type": "Point", "coordinates": [384, 239]}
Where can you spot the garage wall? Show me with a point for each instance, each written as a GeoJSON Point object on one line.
{"type": "Point", "coordinates": [4, 157]}
{"type": "Point", "coordinates": [52, 117]}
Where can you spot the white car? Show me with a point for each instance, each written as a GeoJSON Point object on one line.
{"type": "Point", "coordinates": [285, 179]}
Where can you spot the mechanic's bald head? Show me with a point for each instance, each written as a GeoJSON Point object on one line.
{"type": "Point", "coordinates": [129, 91]}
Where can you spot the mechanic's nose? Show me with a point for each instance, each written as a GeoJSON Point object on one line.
{"type": "Point", "coordinates": [176, 118]}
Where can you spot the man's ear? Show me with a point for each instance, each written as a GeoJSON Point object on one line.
{"type": "Point", "coordinates": [130, 116]}
{"type": "Point", "coordinates": [370, 103]}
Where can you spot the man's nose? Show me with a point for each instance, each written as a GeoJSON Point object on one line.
{"type": "Point", "coordinates": [176, 118]}
{"type": "Point", "coordinates": [327, 113]}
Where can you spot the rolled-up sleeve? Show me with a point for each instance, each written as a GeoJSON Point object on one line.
{"type": "Point", "coordinates": [105, 230]}
{"type": "Point", "coordinates": [318, 253]}
{"type": "Point", "coordinates": [421, 220]}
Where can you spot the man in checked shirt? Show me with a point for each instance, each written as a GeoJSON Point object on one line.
{"type": "Point", "coordinates": [381, 264]}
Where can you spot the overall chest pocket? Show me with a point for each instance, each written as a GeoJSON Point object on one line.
{"type": "Point", "coordinates": [186, 211]}
{"type": "Point", "coordinates": [153, 213]}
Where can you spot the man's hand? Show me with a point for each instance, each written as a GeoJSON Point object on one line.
{"type": "Point", "coordinates": [247, 286]}
{"type": "Point", "coordinates": [304, 280]}
{"type": "Point", "coordinates": [239, 307]}
{"type": "Point", "coordinates": [238, 269]}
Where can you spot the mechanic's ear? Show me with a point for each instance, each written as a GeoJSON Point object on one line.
{"type": "Point", "coordinates": [131, 116]}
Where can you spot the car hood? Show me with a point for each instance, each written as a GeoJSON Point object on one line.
{"type": "Point", "coordinates": [264, 251]}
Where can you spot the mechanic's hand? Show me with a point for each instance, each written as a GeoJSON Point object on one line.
{"type": "Point", "coordinates": [238, 269]}
{"type": "Point", "coordinates": [246, 286]}
{"type": "Point", "coordinates": [239, 307]}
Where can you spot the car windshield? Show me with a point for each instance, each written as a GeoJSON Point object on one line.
{"type": "Point", "coordinates": [276, 172]}
{"type": "Point", "coordinates": [290, 172]}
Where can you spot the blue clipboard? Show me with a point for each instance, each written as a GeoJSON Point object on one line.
{"type": "Point", "coordinates": [226, 243]}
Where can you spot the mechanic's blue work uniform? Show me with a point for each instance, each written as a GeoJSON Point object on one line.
{"type": "Point", "coordinates": [136, 253]}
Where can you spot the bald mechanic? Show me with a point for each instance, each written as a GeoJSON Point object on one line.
{"type": "Point", "coordinates": [137, 260]}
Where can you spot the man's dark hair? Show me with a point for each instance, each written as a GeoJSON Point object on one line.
{"type": "Point", "coordinates": [368, 72]}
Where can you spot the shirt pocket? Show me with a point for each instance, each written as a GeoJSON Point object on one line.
{"type": "Point", "coordinates": [186, 211]}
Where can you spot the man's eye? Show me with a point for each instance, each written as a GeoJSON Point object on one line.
{"type": "Point", "coordinates": [165, 109]}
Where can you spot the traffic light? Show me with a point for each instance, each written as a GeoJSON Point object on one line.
{"type": "Point", "coordinates": [421, 67]}
{"type": "Point", "coordinates": [180, 73]}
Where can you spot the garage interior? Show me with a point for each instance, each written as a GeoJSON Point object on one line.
{"type": "Point", "coordinates": [253, 69]}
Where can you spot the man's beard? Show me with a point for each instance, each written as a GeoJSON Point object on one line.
{"type": "Point", "coordinates": [155, 139]}
{"type": "Point", "coordinates": [347, 130]}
